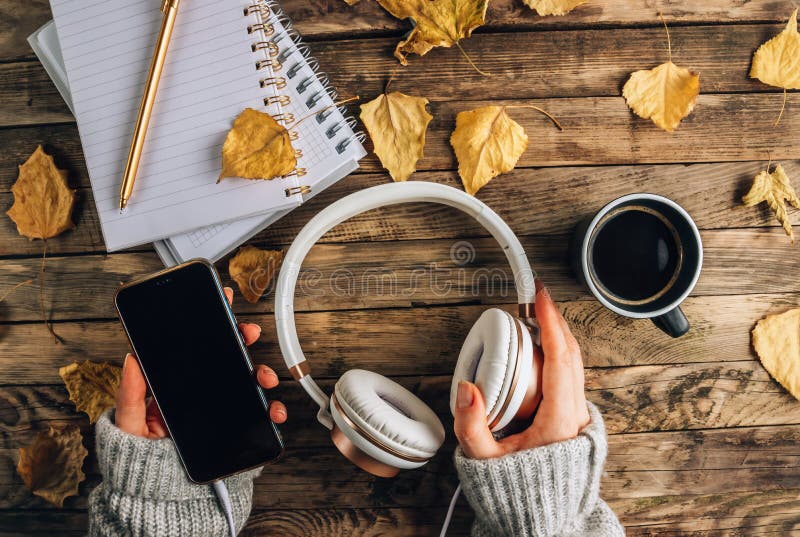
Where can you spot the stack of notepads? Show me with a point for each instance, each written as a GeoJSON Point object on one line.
{"type": "Point", "coordinates": [224, 56]}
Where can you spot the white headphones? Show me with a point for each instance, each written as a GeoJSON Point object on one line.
{"type": "Point", "coordinates": [376, 423]}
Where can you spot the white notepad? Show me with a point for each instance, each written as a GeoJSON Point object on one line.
{"type": "Point", "coordinates": [209, 78]}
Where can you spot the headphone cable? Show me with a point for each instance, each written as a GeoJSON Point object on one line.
{"type": "Point", "coordinates": [225, 501]}
{"type": "Point", "coordinates": [450, 511]}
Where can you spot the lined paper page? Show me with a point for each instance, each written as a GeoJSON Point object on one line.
{"type": "Point", "coordinates": [208, 79]}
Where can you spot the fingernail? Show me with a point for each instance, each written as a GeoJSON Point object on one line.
{"type": "Point", "coordinates": [125, 362]}
{"type": "Point", "coordinates": [228, 290]}
{"type": "Point", "coordinates": [464, 395]}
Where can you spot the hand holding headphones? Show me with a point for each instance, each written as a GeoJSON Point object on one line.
{"type": "Point", "coordinates": [376, 423]}
{"type": "Point", "coordinates": [562, 412]}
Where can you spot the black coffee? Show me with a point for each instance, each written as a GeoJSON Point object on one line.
{"type": "Point", "coordinates": [635, 255]}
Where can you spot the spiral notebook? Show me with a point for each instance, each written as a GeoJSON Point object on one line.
{"type": "Point", "coordinates": [224, 56]}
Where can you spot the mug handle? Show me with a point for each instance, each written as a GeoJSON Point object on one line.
{"type": "Point", "coordinates": [674, 322]}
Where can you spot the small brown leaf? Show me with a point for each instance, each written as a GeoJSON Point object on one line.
{"type": "Point", "coordinates": [397, 123]}
{"type": "Point", "coordinates": [437, 23]}
{"type": "Point", "coordinates": [777, 62]}
{"type": "Point", "coordinates": [92, 386]}
{"type": "Point", "coordinates": [553, 7]}
{"type": "Point", "coordinates": [776, 339]}
{"type": "Point", "coordinates": [253, 270]}
{"type": "Point", "coordinates": [775, 188]}
{"type": "Point", "coordinates": [257, 147]}
{"type": "Point", "coordinates": [51, 466]}
{"type": "Point", "coordinates": [487, 142]}
{"type": "Point", "coordinates": [42, 199]}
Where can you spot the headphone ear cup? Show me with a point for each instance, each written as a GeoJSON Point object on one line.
{"type": "Point", "coordinates": [385, 420]}
{"type": "Point", "coordinates": [497, 356]}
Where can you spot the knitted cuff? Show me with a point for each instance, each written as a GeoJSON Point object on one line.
{"type": "Point", "coordinates": [136, 466]}
{"type": "Point", "coordinates": [541, 491]}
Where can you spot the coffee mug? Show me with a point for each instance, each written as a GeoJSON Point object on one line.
{"type": "Point", "coordinates": [640, 256]}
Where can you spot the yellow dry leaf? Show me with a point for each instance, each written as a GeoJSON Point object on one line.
{"type": "Point", "coordinates": [777, 62]}
{"type": "Point", "coordinates": [553, 7]}
{"type": "Point", "coordinates": [51, 466]}
{"type": "Point", "coordinates": [92, 386]}
{"type": "Point", "coordinates": [42, 199]}
{"type": "Point", "coordinates": [487, 142]}
{"type": "Point", "coordinates": [253, 270]}
{"type": "Point", "coordinates": [776, 339]}
{"type": "Point", "coordinates": [397, 123]}
{"type": "Point", "coordinates": [774, 188]}
{"type": "Point", "coordinates": [257, 147]}
{"type": "Point", "coordinates": [437, 23]}
{"type": "Point", "coordinates": [666, 94]}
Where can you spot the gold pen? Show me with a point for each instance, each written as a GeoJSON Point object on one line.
{"type": "Point", "coordinates": [170, 10]}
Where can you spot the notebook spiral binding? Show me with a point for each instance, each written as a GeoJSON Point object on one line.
{"type": "Point", "coordinates": [282, 74]}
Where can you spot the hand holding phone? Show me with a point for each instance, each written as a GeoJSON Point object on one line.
{"type": "Point", "coordinates": [193, 356]}
{"type": "Point", "coordinates": [136, 415]}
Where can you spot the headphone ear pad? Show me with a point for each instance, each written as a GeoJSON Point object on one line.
{"type": "Point", "coordinates": [489, 357]}
{"type": "Point", "coordinates": [389, 413]}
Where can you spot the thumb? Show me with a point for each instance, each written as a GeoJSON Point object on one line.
{"type": "Point", "coordinates": [131, 409]}
{"type": "Point", "coordinates": [470, 426]}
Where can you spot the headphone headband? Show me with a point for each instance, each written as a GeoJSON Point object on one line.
{"type": "Point", "coordinates": [362, 201]}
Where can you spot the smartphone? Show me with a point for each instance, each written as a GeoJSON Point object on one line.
{"type": "Point", "coordinates": [185, 336]}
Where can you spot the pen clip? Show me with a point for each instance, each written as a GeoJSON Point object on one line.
{"type": "Point", "coordinates": [166, 5]}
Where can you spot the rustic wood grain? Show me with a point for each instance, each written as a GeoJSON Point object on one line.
{"type": "Point", "coordinates": [337, 341]}
{"type": "Point", "coordinates": [332, 19]}
{"type": "Point", "coordinates": [754, 458]}
{"type": "Point", "coordinates": [602, 130]}
{"type": "Point", "coordinates": [535, 200]}
{"type": "Point", "coordinates": [702, 441]}
{"type": "Point", "coordinates": [633, 399]}
{"type": "Point", "coordinates": [581, 63]}
{"type": "Point", "coordinates": [356, 275]}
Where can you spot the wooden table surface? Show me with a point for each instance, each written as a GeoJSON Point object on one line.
{"type": "Point", "coordinates": [702, 440]}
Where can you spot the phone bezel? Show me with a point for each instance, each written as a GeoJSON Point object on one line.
{"type": "Point", "coordinates": [242, 347]}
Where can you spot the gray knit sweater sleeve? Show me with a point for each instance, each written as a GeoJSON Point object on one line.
{"type": "Point", "coordinates": [145, 490]}
{"type": "Point", "coordinates": [547, 491]}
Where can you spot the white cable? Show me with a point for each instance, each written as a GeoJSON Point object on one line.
{"type": "Point", "coordinates": [225, 501]}
{"type": "Point", "coordinates": [450, 511]}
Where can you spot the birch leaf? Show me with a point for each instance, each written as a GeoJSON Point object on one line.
{"type": "Point", "coordinates": [437, 23]}
{"type": "Point", "coordinates": [777, 62]}
{"type": "Point", "coordinates": [776, 189]}
{"type": "Point", "coordinates": [487, 142]}
{"type": "Point", "coordinates": [257, 147]}
{"type": "Point", "coordinates": [553, 7]}
{"type": "Point", "coordinates": [42, 199]}
{"type": "Point", "coordinates": [92, 386]}
{"type": "Point", "coordinates": [51, 466]}
{"type": "Point", "coordinates": [776, 339]}
{"type": "Point", "coordinates": [666, 94]}
{"type": "Point", "coordinates": [397, 123]}
{"type": "Point", "coordinates": [253, 270]}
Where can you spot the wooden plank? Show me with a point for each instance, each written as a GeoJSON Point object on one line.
{"type": "Point", "coordinates": [534, 200]}
{"type": "Point", "coordinates": [43, 523]}
{"type": "Point", "coordinates": [317, 19]}
{"type": "Point", "coordinates": [336, 342]}
{"type": "Point", "coordinates": [577, 63]}
{"type": "Point", "coordinates": [757, 513]}
{"type": "Point", "coordinates": [772, 512]}
{"type": "Point", "coordinates": [645, 465]}
{"type": "Point", "coordinates": [29, 96]}
{"type": "Point", "coordinates": [356, 275]}
{"type": "Point", "coordinates": [633, 399]}
{"type": "Point", "coordinates": [602, 130]}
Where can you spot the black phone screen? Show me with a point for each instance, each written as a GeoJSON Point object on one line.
{"type": "Point", "coordinates": [199, 372]}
